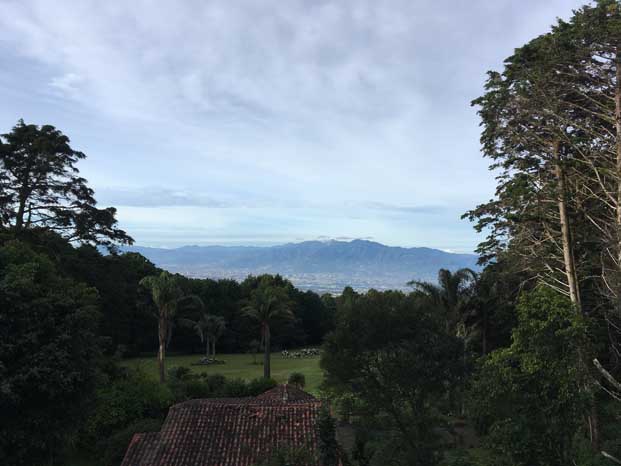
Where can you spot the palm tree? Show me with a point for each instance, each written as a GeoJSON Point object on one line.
{"type": "Point", "coordinates": [200, 327]}
{"type": "Point", "coordinates": [452, 293]}
{"type": "Point", "coordinates": [266, 305]}
{"type": "Point", "coordinates": [209, 329]}
{"type": "Point", "coordinates": [216, 326]}
{"type": "Point", "coordinates": [168, 298]}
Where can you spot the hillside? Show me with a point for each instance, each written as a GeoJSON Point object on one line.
{"type": "Point", "coordinates": [317, 265]}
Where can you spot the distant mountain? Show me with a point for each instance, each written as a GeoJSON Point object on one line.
{"type": "Point", "coordinates": [318, 265]}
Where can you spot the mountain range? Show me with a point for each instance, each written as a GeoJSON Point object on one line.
{"type": "Point", "coordinates": [323, 266]}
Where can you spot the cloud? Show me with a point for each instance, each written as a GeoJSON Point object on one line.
{"type": "Point", "coordinates": [153, 197]}
{"type": "Point", "coordinates": [300, 110]}
{"type": "Point", "coordinates": [422, 209]}
{"type": "Point", "coordinates": [156, 197]}
{"type": "Point", "coordinates": [68, 83]}
{"type": "Point", "coordinates": [341, 238]}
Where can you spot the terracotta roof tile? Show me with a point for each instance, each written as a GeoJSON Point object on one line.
{"type": "Point", "coordinates": [287, 394]}
{"type": "Point", "coordinates": [229, 431]}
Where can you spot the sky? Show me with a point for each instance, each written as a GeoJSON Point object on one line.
{"type": "Point", "coordinates": [263, 122]}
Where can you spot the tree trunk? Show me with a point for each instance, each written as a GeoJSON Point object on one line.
{"type": "Point", "coordinates": [568, 254]}
{"type": "Point", "coordinates": [29, 219]}
{"type": "Point", "coordinates": [161, 355]}
{"type": "Point", "coordinates": [19, 217]}
{"type": "Point", "coordinates": [207, 347]}
{"type": "Point", "coordinates": [618, 151]}
{"type": "Point", "coordinates": [213, 349]}
{"type": "Point", "coordinates": [566, 239]}
{"type": "Point", "coordinates": [594, 426]}
{"type": "Point", "coordinates": [266, 354]}
{"type": "Point", "coordinates": [484, 333]}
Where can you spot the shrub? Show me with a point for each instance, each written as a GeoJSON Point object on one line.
{"type": "Point", "coordinates": [287, 456]}
{"type": "Point", "coordinates": [197, 388]}
{"type": "Point", "coordinates": [113, 448]}
{"type": "Point", "coordinates": [260, 385]}
{"type": "Point", "coordinates": [297, 379]}
{"type": "Point", "coordinates": [179, 380]}
{"type": "Point", "coordinates": [328, 447]}
{"type": "Point", "coordinates": [216, 384]}
{"type": "Point", "coordinates": [186, 386]}
{"type": "Point", "coordinates": [236, 388]}
{"type": "Point", "coordinates": [179, 373]}
{"type": "Point", "coordinates": [124, 401]}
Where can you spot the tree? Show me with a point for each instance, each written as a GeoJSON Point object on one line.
{"type": "Point", "coordinates": [254, 347]}
{"type": "Point", "coordinates": [40, 187]}
{"type": "Point", "coordinates": [216, 326]}
{"type": "Point", "coordinates": [267, 304]}
{"type": "Point", "coordinates": [209, 328]}
{"type": "Point", "coordinates": [328, 446]}
{"type": "Point", "coordinates": [168, 297]}
{"type": "Point", "coordinates": [49, 354]}
{"type": "Point", "coordinates": [527, 397]}
{"type": "Point", "coordinates": [390, 352]}
{"type": "Point", "coordinates": [200, 326]}
{"type": "Point", "coordinates": [297, 379]}
{"type": "Point", "coordinates": [536, 131]}
{"type": "Point", "coordinates": [552, 125]}
{"type": "Point", "coordinates": [491, 312]}
{"type": "Point", "coordinates": [451, 294]}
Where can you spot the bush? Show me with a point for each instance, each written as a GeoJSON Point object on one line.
{"type": "Point", "coordinates": [179, 373]}
{"type": "Point", "coordinates": [287, 456]}
{"type": "Point", "coordinates": [197, 388]}
{"type": "Point", "coordinates": [185, 385]}
{"type": "Point", "coordinates": [260, 385]}
{"type": "Point", "coordinates": [216, 384]}
{"type": "Point", "coordinates": [297, 379]}
{"type": "Point", "coordinates": [125, 401]}
{"type": "Point", "coordinates": [113, 448]}
{"type": "Point", "coordinates": [236, 388]}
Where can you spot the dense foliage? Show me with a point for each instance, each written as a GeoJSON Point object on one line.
{"type": "Point", "coordinates": [49, 350]}
{"type": "Point", "coordinates": [529, 397]}
{"type": "Point", "coordinates": [520, 362]}
{"type": "Point", "coordinates": [552, 128]}
{"type": "Point", "coordinates": [65, 310]}
{"type": "Point", "coordinates": [392, 354]}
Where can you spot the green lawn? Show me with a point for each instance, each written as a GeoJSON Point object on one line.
{"type": "Point", "coordinates": [240, 366]}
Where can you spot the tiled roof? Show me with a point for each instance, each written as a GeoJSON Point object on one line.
{"type": "Point", "coordinates": [286, 394]}
{"type": "Point", "coordinates": [142, 449]}
{"type": "Point", "coordinates": [229, 431]}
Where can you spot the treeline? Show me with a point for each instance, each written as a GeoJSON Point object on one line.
{"type": "Point", "coordinates": [129, 327]}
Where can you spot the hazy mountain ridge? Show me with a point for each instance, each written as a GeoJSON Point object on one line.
{"type": "Point", "coordinates": [318, 265]}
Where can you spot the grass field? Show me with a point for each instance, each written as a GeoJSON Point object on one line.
{"type": "Point", "coordinates": [240, 366]}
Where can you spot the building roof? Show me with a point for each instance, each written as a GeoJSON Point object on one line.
{"type": "Point", "coordinates": [229, 431]}
{"type": "Point", "coordinates": [286, 394]}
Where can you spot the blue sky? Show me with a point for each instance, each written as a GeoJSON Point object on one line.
{"type": "Point", "coordinates": [269, 121]}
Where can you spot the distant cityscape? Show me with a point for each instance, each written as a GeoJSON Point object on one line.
{"type": "Point", "coordinates": [332, 283]}
{"type": "Point", "coordinates": [321, 266]}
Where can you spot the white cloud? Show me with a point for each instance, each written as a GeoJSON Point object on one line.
{"type": "Point", "coordinates": [307, 102]}
{"type": "Point", "coordinates": [68, 83]}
